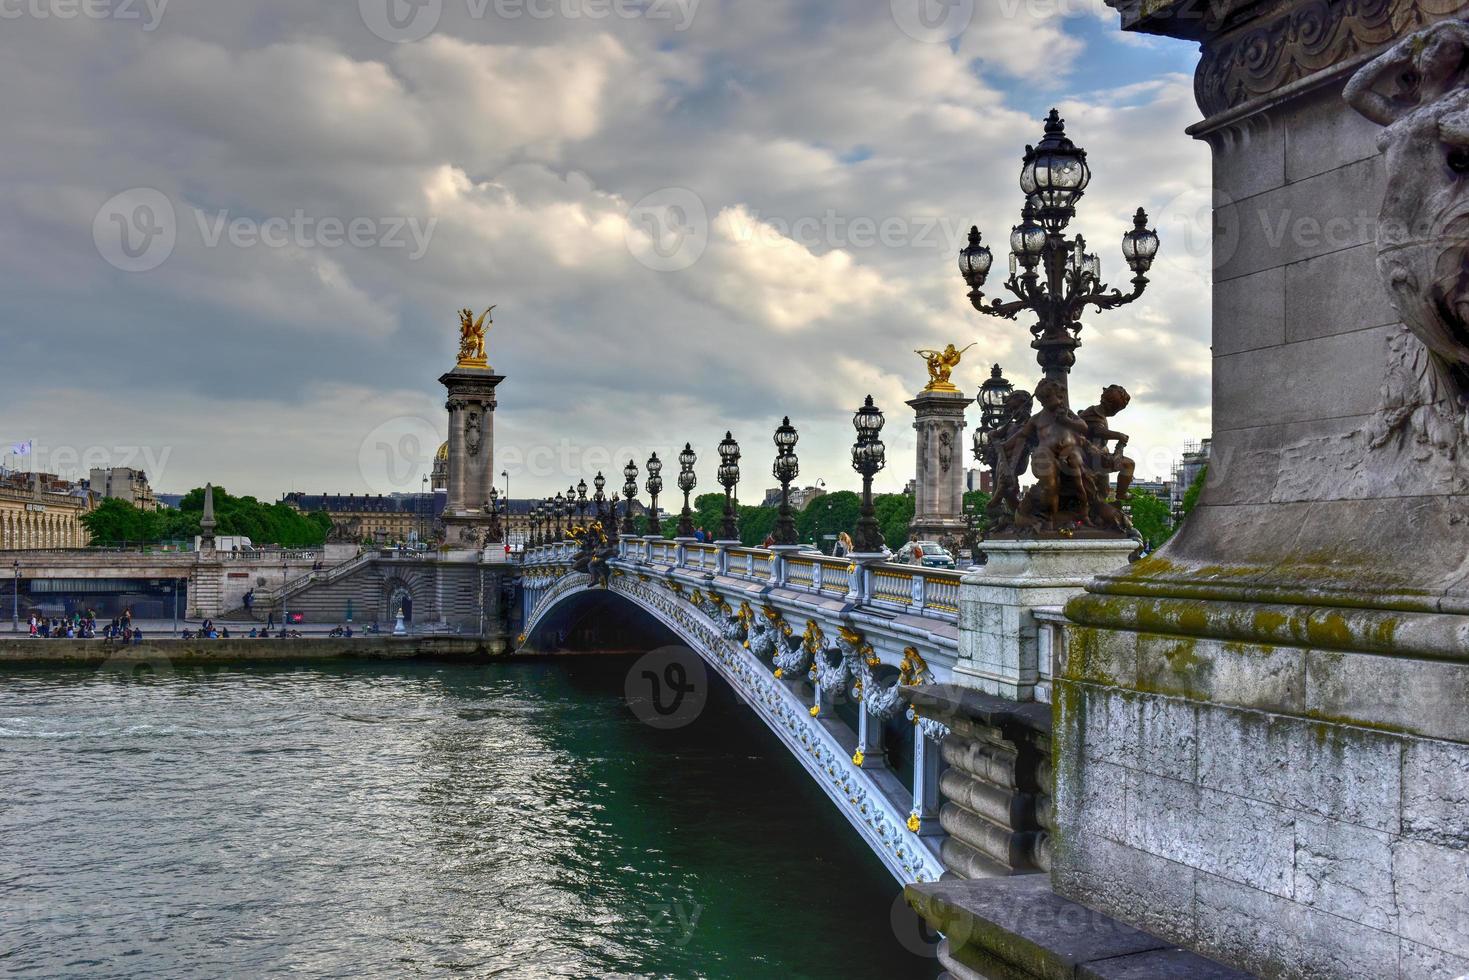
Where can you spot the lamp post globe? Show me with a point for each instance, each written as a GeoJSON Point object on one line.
{"type": "Point", "coordinates": [630, 492]}
{"type": "Point", "coordinates": [599, 483]}
{"type": "Point", "coordinates": [993, 395]}
{"type": "Point", "coordinates": [686, 482]}
{"type": "Point", "coordinates": [655, 487]}
{"type": "Point", "coordinates": [581, 500]}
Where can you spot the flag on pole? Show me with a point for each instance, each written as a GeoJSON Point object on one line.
{"type": "Point", "coordinates": [23, 449]}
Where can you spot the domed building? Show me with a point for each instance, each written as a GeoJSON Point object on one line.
{"type": "Point", "coordinates": [440, 476]}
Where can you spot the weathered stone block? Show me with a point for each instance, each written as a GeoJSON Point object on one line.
{"type": "Point", "coordinates": [1418, 697]}
{"type": "Point", "coordinates": [1244, 840]}
{"type": "Point", "coordinates": [1254, 388]}
{"type": "Point", "coordinates": [1150, 892]}
{"type": "Point", "coordinates": [1277, 937]}
{"type": "Point", "coordinates": [1251, 676]}
{"type": "Point", "coordinates": [1345, 870]}
{"type": "Point", "coordinates": [1150, 734]}
{"type": "Point", "coordinates": [1436, 792]}
{"type": "Point", "coordinates": [1253, 308]}
{"type": "Point", "coordinates": [1335, 293]}
{"type": "Point", "coordinates": [1431, 884]}
{"type": "Point", "coordinates": [1346, 774]}
{"type": "Point", "coordinates": [1320, 136]}
{"type": "Point", "coordinates": [1301, 220]}
{"type": "Point", "coordinates": [1418, 962]}
{"type": "Point", "coordinates": [1101, 803]}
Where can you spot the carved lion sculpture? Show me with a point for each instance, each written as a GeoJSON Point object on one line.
{"type": "Point", "coordinates": [1419, 90]}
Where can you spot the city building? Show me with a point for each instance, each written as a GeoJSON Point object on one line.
{"type": "Point", "coordinates": [1190, 465]}
{"type": "Point", "coordinates": [41, 510]}
{"type": "Point", "coordinates": [381, 519]}
{"type": "Point", "coordinates": [800, 497]}
{"type": "Point", "coordinates": [126, 484]}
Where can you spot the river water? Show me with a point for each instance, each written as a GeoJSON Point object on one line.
{"type": "Point", "coordinates": [417, 819]}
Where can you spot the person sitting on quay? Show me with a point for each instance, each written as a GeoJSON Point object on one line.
{"type": "Point", "coordinates": [137, 636]}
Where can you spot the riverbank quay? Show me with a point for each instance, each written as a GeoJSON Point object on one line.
{"type": "Point", "coordinates": [165, 650]}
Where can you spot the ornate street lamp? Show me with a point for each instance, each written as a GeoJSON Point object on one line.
{"type": "Point", "coordinates": [729, 478]}
{"type": "Point", "coordinates": [563, 510]}
{"type": "Point", "coordinates": [630, 492]}
{"type": "Point", "coordinates": [787, 468]}
{"type": "Point", "coordinates": [869, 456]}
{"type": "Point", "coordinates": [992, 397]}
{"type": "Point", "coordinates": [581, 501]}
{"type": "Point", "coordinates": [1052, 276]}
{"type": "Point", "coordinates": [686, 482]}
{"type": "Point", "coordinates": [600, 483]}
{"type": "Point", "coordinates": [655, 487]}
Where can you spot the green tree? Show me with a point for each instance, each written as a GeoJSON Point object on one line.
{"type": "Point", "coordinates": [894, 516]}
{"type": "Point", "coordinates": [830, 514]}
{"type": "Point", "coordinates": [1151, 518]}
{"type": "Point", "coordinates": [1191, 495]}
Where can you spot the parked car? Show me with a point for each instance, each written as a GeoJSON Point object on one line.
{"type": "Point", "coordinates": [934, 555]}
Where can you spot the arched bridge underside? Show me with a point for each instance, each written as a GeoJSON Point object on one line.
{"type": "Point", "coordinates": [793, 680]}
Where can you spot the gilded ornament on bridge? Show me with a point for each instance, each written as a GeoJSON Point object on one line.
{"type": "Point", "coordinates": [941, 365]}
{"type": "Point", "coordinates": [472, 339]}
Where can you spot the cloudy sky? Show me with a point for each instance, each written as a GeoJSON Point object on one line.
{"type": "Point", "coordinates": [236, 235]}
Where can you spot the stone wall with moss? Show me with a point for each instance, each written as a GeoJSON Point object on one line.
{"type": "Point", "coordinates": [1292, 811]}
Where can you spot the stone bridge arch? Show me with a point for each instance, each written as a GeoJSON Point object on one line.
{"type": "Point", "coordinates": [636, 607]}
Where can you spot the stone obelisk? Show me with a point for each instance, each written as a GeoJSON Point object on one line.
{"type": "Point", "coordinates": [471, 405]}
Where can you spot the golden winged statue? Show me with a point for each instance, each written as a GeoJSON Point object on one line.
{"type": "Point", "coordinates": [472, 338]}
{"type": "Point", "coordinates": [941, 364]}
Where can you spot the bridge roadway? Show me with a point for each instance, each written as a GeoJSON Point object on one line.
{"type": "Point", "coordinates": [795, 634]}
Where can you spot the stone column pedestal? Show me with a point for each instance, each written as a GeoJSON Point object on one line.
{"type": "Point", "coordinates": [938, 499]}
{"type": "Point", "coordinates": [471, 406]}
{"type": "Point", "coordinates": [998, 637]}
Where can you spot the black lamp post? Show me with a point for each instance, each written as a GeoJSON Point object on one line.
{"type": "Point", "coordinates": [560, 507]}
{"type": "Point", "coordinates": [630, 492]}
{"type": "Point", "coordinates": [581, 501]}
{"type": "Point", "coordinates": [729, 478]}
{"type": "Point", "coordinates": [992, 397]}
{"type": "Point", "coordinates": [15, 599]}
{"type": "Point", "coordinates": [599, 482]}
{"type": "Point", "coordinates": [686, 482]}
{"type": "Point", "coordinates": [1052, 276]}
{"type": "Point", "coordinates": [787, 468]}
{"type": "Point", "coordinates": [655, 487]}
{"type": "Point", "coordinates": [869, 456]}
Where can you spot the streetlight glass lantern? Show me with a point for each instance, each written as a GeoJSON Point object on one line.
{"type": "Point", "coordinates": [581, 490]}
{"type": "Point", "coordinates": [785, 436]}
{"type": "Point", "coordinates": [975, 260]}
{"type": "Point", "coordinates": [655, 466]}
{"type": "Point", "coordinates": [868, 421]}
{"type": "Point", "coordinates": [630, 474]}
{"type": "Point", "coordinates": [1028, 239]}
{"type": "Point", "coordinates": [1055, 173]}
{"type": "Point", "coordinates": [600, 483]}
{"type": "Point", "coordinates": [687, 458]}
{"type": "Point", "coordinates": [686, 478]}
{"type": "Point", "coordinates": [1140, 245]}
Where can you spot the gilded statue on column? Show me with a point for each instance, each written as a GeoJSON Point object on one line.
{"type": "Point", "coordinates": [941, 365]}
{"type": "Point", "coordinates": [472, 338]}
